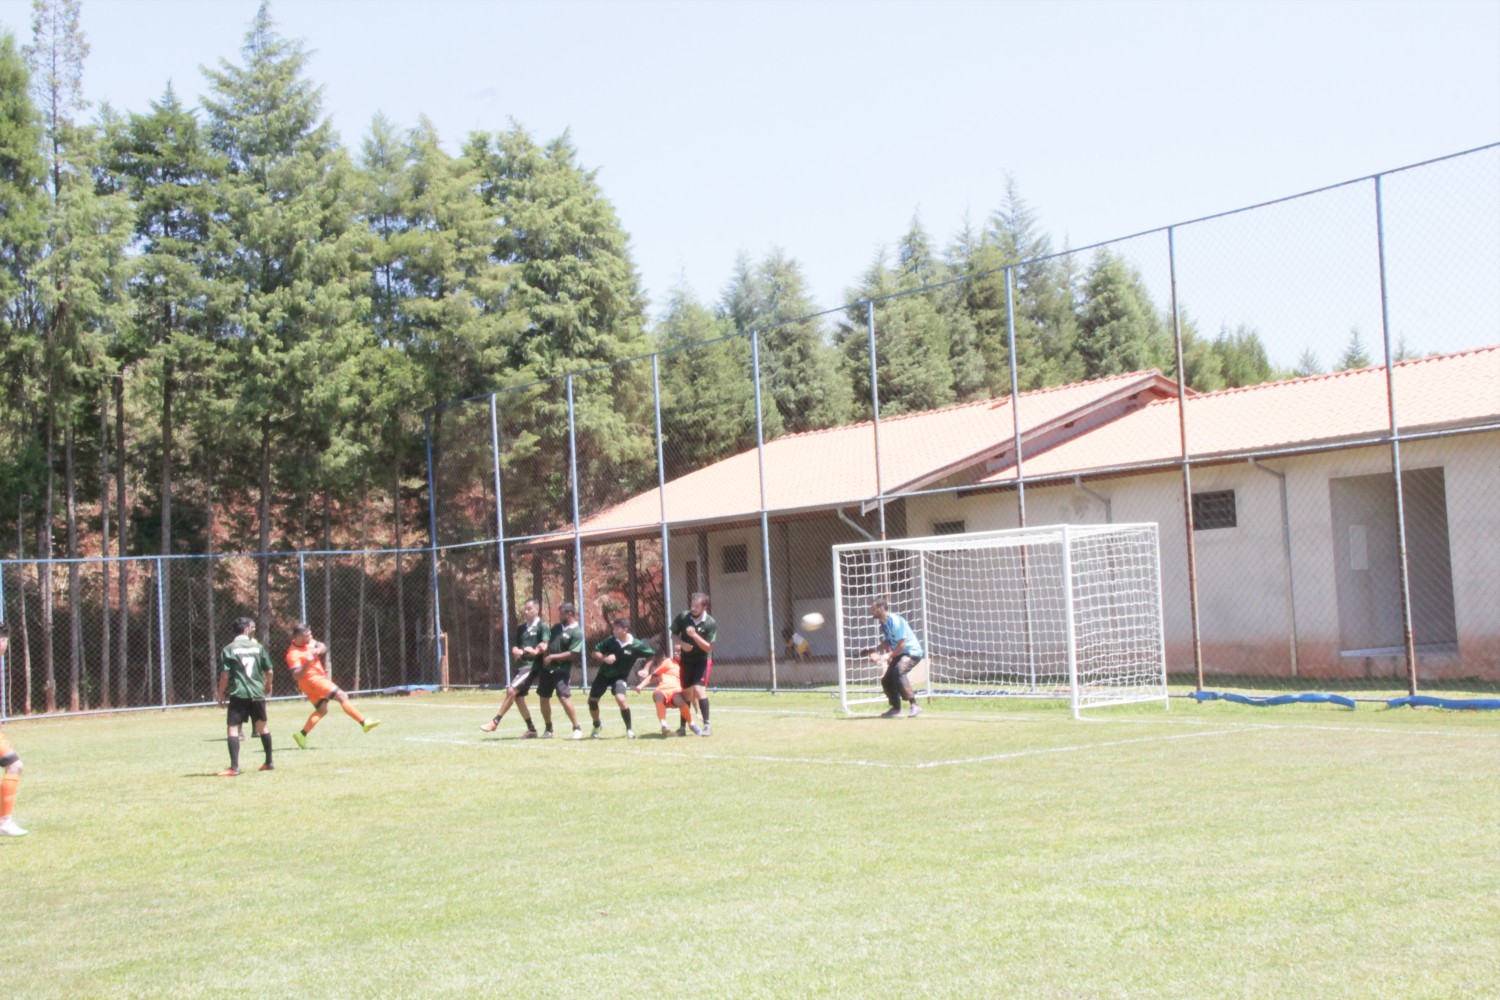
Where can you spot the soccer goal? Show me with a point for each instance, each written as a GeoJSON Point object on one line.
{"type": "Point", "coordinates": [1063, 611]}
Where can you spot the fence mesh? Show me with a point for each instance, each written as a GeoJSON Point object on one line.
{"type": "Point", "coordinates": [1350, 545]}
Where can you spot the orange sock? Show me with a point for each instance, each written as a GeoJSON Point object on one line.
{"type": "Point", "coordinates": [8, 794]}
{"type": "Point", "coordinates": [312, 720]}
{"type": "Point", "coordinates": [352, 712]}
{"type": "Point", "coordinates": [661, 712]}
{"type": "Point", "coordinates": [687, 714]}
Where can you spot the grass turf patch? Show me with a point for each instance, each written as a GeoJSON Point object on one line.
{"type": "Point", "coordinates": [982, 849]}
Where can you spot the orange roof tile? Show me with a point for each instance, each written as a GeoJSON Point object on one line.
{"type": "Point", "coordinates": [836, 467]}
{"type": "Point", "coordinates": [1439, 391]}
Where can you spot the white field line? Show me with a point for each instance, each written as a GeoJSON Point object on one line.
{"type": "Point", "coordinates": [929, 717]}
{"type": "Point", "coordinates": [1080, 746]}
{"type": "Point", "coordinates": [775, 759]}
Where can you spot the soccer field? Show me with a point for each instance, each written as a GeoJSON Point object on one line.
{"type": "Point", "coordinates": [978, 851]}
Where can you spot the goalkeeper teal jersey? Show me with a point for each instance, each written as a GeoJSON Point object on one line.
{"type": "Point", "coordinates": [247, 663]}
{"type": "Point", "coordinates": [626, 656]}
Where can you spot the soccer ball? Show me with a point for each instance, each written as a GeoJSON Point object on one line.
{"type": "Point", "coordinates": [812, 621]}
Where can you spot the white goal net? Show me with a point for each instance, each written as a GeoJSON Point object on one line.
{"type": "Point", "coordinates": [1064, 611]}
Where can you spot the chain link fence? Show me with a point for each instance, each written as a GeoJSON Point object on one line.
{"type": "Point", "coordinates": [1291, 559]}
{"type": "Point", "coordinates": [97, 635]}
{"type": "Point", "coordinates": [1332, 531]}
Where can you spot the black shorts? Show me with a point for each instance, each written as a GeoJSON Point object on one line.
{"type": "Point", "coordinates": [904, 665]}
{"type": "Point", "coordinates": [243, 710]}
{"type": "Point", "coordinates": [618, 685]}
{"type": "Point", "coordinates": [554, 681]}
{"type": "Point", "coordinates": [521, 683]}
{"type": "Point", "coordinates": [696, 673]}
{"type": "Point", "coordinates": [9, 759]}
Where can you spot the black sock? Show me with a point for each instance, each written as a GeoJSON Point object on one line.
{"type": "Point", "coordinates": [234, 753]}
{"type": "Point", "coordinates": [265, 744]}
{"type": "Point", "coordinates": [530, 726]}
{"type": "Point", "coordinates": [626, 713]}
{"type": "Point", "coordinates": [703, 705]}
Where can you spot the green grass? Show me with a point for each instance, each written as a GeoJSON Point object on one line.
{"type": "Point", "coordinates": [979, 851]}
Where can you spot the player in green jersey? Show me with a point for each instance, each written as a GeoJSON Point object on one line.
{"type": "Point", "coordinates": [696, 629]}
{"type": "Point", "coordinates": [614, 658]}
{"type": "Point", "coordinates": [531, 643]}
{"type": "Point", "coordinates": [245, 677]}
{"type": "Point", "coordinates": [564, 649]}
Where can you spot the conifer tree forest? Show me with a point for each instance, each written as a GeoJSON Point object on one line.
{"type": "Point", "coordinates": [223, 327]}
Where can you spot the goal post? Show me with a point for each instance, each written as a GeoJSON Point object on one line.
{"type": "Point", "coordinates": [1062, 611]}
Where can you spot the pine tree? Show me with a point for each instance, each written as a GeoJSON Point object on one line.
{"type": "Point", "coordinates": [1242, 357]}
{"type": "Point", "coordinates": [581, 307]}
{"type": "Point", "coordinates": [1354, 355]}
{"type": "Point", "coordinates": [913, 346]}
{"type": "Point", "coordinates": [707, 388]}
{"type": "Point", "coordinates": [1307, 364]}
{"type": "Point", "coordinates": [23, 209]}
{"type": "Point", "coordinates": [293, 260]}
{"type": "Point", "coordinates": [1119, 329]}
{"type": "Point", "coordinates": [800, 373]}
{"type": "Point", "coordinates": [163, 162]}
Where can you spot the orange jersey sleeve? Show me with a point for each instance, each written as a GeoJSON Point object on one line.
{"type": "Point", "coordinates": [302, 658]}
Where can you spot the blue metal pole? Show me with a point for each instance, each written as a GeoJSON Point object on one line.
{"type": "Point", "coordinates": [437, 614]}
{"type": "Point", "coordinates": [500, 535]}
{"type": "Point", "coordinates": [583, 660]}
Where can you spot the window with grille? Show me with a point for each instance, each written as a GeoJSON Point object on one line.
{"type": "Point", "coordinates": [735, 558]}
{"type": "Point", "coordinates": [1213, 510]}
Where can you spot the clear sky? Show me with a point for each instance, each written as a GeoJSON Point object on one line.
{"type": "Point", "coordinates": [823, 128]}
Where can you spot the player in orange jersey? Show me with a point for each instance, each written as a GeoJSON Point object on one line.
{"type": "Point", "coordinates": [669, 693]}
{"type": "Point", "coordinates": [10, 761]}
{"type": "Point", "coordinates": [307, 659]}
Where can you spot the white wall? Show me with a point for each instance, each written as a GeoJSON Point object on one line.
{"type": "Point", "coordinates": [1244, 611]}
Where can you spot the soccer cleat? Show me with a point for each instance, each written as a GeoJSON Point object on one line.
{"type": "Point", "coordinates": [682, 729]}
{"type": "Point", "coordinates": [630, 734]}
{"type": "Point", "coordinates": [547, 735]}
{"type": "Point", "coordinates": [301, 739]}
{"type": "Point", "coordinates": [8, 828]}
{"type": "Point", "coordinates": [530, 734]}
{"type": "Point", "coordinates": [891, 713]}
{"type": "Point", "coordinates": [706, 730]}
{"type": "Point", "coordinates": [490, 726]}
{"type": "Point", "coordinates": [268, 767]}
{"type": "Point", "coordinates": [666, 730]}
{"type": "Point", "coordinates": [578, 733]}
{"type": "Point", "coordinates": [370, 724]}
{"type": "Point", "coordinates": [596, 734]}
{"type": "Point", "coordinates": [228, 772]}
{"type": "Point", "coordinates": [694, 727]}
{"type": "Point", "coordinates": [916, 710]}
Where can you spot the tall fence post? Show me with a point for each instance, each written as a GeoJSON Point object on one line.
{"type": "Point", "coordinates": [1403, 566]}
{"type": "Point", "coordinates": [432, 549]}
{"type": "Point", "coordinates": [500, 535]}
{"type": "Point", "coordinates": [874, 413]}
{"type": "Point", "coordinates": [5, 656]}
{"type": "Point", "coordinates": [1015, 399]}
{"type": "Point", "coordinates": [765, 524]}
{"type": "Point", "coordinates": [583, 660]}
{"type": "Point", "coordinates": [161, 631]}
{"type": "Point", "coordinates": [661, 496]}
{"type": "Point", "coordinates": [1187, 463]}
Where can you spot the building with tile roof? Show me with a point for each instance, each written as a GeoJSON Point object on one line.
{"type": "Point", "coordinates": [1295, 540]}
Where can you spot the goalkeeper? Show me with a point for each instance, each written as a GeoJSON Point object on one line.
{"type": "Point", "coordinates": [901, 651]}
